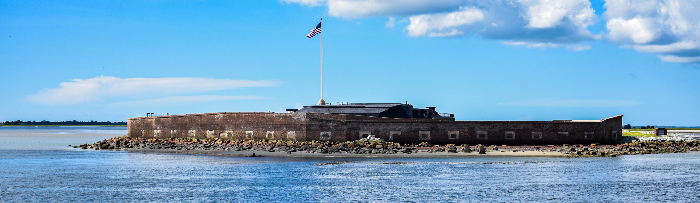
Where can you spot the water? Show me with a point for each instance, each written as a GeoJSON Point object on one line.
{"type": "Point", "coordinates": [20, 137]}
{"type": "Point", "coordinates": [43, 171]}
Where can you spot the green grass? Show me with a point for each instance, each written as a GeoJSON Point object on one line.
{"type": "Point", "coordinates": [640, 129]}
{"type": "Point", "coordinates": [637, 134]}
{"type": "Point", "coordinates": [666, 129]}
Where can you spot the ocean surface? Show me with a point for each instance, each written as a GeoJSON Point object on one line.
{"type": "Point", "coordinates": [37, 166]}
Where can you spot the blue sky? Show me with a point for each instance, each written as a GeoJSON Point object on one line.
{"type": "Point", "coordinates": [481, 60]}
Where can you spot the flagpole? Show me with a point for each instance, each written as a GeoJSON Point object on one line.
{"type": "Point", "coordinates": [321, 102]}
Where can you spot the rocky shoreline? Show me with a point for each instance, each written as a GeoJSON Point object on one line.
{"type": "Point", "coordinates": [629, 146]}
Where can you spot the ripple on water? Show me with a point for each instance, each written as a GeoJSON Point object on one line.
{"type": "Point", "coordinates": [99, 175]}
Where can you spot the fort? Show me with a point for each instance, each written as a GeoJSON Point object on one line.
{"type": "Point", "coordinates": [393, 122]}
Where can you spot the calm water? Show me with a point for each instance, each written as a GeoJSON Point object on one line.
{"type": "Point", "coordinates": [37, 167]}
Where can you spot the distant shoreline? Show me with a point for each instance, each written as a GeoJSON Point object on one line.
{"type": "Point", "coordinates": [63, 125]}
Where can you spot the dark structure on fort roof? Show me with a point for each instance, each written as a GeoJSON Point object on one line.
{"type": "Point", "coordinates": [389, 110]}
{"type": "Point", "coordinates": [395, 122]}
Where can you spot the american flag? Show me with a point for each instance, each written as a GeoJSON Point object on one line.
{"type": "Point", "coordinates": [315, 31]}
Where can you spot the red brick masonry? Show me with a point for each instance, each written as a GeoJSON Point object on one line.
{"type": "Point", "coordinates": [341, 127]}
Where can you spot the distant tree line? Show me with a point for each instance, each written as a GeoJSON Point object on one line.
{"type": "Point", "coordinates": [628, 126]}
{"type": "Point", "coordinates": [73, 122]}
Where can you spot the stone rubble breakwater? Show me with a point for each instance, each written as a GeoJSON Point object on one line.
{"type": "Point", "coordinates": [629, 147]}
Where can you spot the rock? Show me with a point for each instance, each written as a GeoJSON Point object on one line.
{"type": "Point", "coordinates": [371, 138]}
{"type": "Point", "coordinates": [466, 148]}
{"type": "Point", "coordinates": [451, 148]}
{"type": "Point", "coordinates": [380, 147]}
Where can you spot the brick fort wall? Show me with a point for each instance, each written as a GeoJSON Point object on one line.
{"type": "Point", "coordinates": [340, 127]}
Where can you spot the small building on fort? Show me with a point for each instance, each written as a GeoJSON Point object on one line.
{"type": "Point", "coordinates": [393, 122]}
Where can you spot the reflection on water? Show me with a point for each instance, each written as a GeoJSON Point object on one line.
{"type": "Point", "coordinates": [66, 174]}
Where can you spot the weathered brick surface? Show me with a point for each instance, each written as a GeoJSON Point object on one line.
{"type": "Point", "coordinates": [218, 125]}
{"type": "Point", "coordinates": [310, 126]}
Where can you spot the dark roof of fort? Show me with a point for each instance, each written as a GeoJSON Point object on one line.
{"type": "Point", "coordinates": [389, 110]}
{"type": "Point", "coordinates": [353, 108]}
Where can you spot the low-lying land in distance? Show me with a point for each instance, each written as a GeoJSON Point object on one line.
{"type": "Point", "coordinates": [62, 123]}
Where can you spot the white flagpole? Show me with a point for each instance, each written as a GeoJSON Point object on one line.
{"type": "Point", "coordinates": [322, 102]}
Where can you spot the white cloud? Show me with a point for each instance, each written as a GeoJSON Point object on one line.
{"type": "Point", "coordinates": [390, 23]}
{"type": "Point", "coordinates": [514, 43]}
{"type": "Point", "coordinates": [684, 45]}
{"type": "Point", "coordinates": [454, 32]}
{"type": "Point", "coordinates": [536, 22]}
{"type": "Point", "coordinates": [636, 30]}
{"type": "Point", "coordinates": [551, 13]}
{"type": "Point", "coordinates": [578, 47]}
{"type": "Point", "coordinates": [305, 2]}
{"type": "Point", "coordinates": [542, 45]}
{"type": "Point", "coordinates": [680, 59]}
{"type": "Point", "coordinates": [377, 8]}
{"type": "Point", "coordinates": [176, 100]}
{"type": "Point", "coordinates": [104, 88]}
{"type": "Point", "coordinates": [421, 24]}
{"type": "Point", "coordinates": [532, 45]}
{"type": "Point", "coordinates": [651, 26]}
{"type": "Point", "coordinates": [668, 28]}
{"type": "Point", "coordinates": [574, 103]}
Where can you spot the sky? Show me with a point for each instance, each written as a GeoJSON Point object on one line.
{"type": "Point", "coordinates": [478, 59]}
